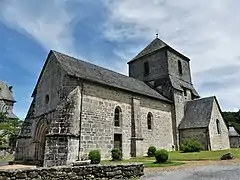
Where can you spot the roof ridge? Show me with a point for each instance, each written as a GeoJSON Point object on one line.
{"type": "Point", "coordinates": [76, 59]}
{"type": "Point", "coordinates": [203, 98]}
{"type": "Point", "coordinates": [88, 71]}
{"type": "Point", "coordinates": [153, 46]}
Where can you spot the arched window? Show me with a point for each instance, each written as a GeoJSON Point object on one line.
{"type": "Point", "coordinates": [218, 127]}
{"type": "Point", "coordinates": [117, 116]}
{"type": "Point", "coordinates": [179, 67]}
{"type": "Point", "coordinates": [149, 120]}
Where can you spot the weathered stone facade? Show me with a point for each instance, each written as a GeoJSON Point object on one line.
{"type": "Point", "coordinates": [218, 140]}
{"type": "Point", "coordinates": [78, 107]}
{"type": "Point", "coordinates": [96, 172]}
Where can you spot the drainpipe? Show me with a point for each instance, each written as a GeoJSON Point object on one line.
{"type": "Point", "coordinates": [80, 123]}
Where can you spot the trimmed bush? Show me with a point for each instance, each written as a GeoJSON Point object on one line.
{"type": "Point", "coordinates": [191, 145]}
{"type": "Point", "coordinates": [116, 154]}
{"type": "Point", "coordinates": [161, 156]}
{"type": "Point", "coordinates": [94, 156]}
{"type": "Point", "coordinates": [151, 151]}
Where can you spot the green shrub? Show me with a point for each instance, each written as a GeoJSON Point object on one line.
{"type": "Point", "coordinates": [191, 145]}
{"type": "Point", "coordinates": [161, 156]}
{"type": "Point", "coordinates": [94, 156]}
{"type": "Point", "coordinates": [151, 151]}
{"type": "Point", "coordinates": [116, 154]}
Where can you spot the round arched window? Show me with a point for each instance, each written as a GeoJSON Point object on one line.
{"type": "Point", "coordinates": [117, 116]}
{"type": "Point", "coordinates": [149, 120]}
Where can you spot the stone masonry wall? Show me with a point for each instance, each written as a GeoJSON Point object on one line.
{"type": "Point", "coordinates": [55, 83]}
{"type": "Point", "coordinates": [173, 59]}
{"type": "Point", "coordinates": [98, 129]}
{"type": "Point", "coordinates": [200, 134]}
{"type": "Point", "coordinates": [27, 141]}
{"type": "Point", "coordinates": [179, 103]}
{"type": "Point", "coordinates": [157, 67]}
{"type": "Point", "coordinates": [234, 141]}
{"type": "Point", "coordinates": [96, 172]}
{"type": "Point", "coordinates": [218, 141]}
{"type": "Point", "coordinates": [161, 134]}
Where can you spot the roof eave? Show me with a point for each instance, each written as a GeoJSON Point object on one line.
{"type": "Point", "coordinates": [158, 98]}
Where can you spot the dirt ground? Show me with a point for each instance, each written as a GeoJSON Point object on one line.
{"type": "Point", "coordinates": [170, 168]}
{"type": "Point", "coordinates": [16, 166]}
{"type": "Point", "coordinates": [193, 164]}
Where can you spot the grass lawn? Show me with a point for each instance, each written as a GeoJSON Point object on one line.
{"type": "Point", "coordinates": [175, 158]}
{"type": "Point", "coordinates": [202, 155]}
{"type": "Point", "coordinates": [147, 162]}
{"type": "Point", "coordinates": [6, 159]}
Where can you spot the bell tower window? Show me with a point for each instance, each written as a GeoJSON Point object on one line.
{"type": "Point", "coordinates": [180, 68]}
{"type": "Point", "coordinates": [146, 68]}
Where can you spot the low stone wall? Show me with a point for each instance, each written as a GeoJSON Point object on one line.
{"type": "Point", "coordinates": [96, 172]}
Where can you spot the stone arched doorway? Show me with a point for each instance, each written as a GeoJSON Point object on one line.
{"type": "Point", "coordinates": [40, 139]}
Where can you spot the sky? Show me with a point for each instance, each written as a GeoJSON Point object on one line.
{"type": "Point", "coordinates": [109, 33]}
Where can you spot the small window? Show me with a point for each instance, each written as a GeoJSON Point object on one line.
{"type": "Point", "coordinates": [146, 68]}
{"type": "Point", "coordinates": [149, 120]}
{"type": "Point", "coordinates": [185, 91]}
{"type": "Point", "coordinates": [117, 117]}
{"type": "Point", "coordinates": [179, 67]}
{"type": "Point", "coordinates": [218, 126]}
{"type": "Point", "coordinates": [46, 99]}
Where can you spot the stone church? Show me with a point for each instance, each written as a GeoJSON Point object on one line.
{"type": "Point", "coordinates": [78, 107]}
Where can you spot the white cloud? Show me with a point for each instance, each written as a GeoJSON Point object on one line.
{"type": "Point", "coordinates": [205, 31]}
{"type": "Point", "coordinates": [49, 23]}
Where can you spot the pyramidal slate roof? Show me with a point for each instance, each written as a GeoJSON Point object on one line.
{"type": "Point", "coordinates": [155, 45]}
{"type": "Point", "coordinates": [5, 92]}
{"type": "Point", "coordinates": [91, 72]}
{"type": "Point", "coordinates": [197, 113]}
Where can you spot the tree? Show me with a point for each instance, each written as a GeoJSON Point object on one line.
{"type": "Point", "coordinates": [9, 130]}
{"type": "Point", "coordinates": [233, 118]}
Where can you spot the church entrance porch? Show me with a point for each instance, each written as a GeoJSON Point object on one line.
{"type": "Point", "coordinates": [40, 139]}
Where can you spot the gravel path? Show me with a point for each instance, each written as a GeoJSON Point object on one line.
{"type": "Point", "coordinates": [214, 171]}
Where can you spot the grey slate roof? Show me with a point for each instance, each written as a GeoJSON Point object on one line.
{"type": "Point", "coordinates": [91, 72]}
{"type": "Point", "coordinates": [178, 84]}
{"type": "Point", "coordinates": [155, 45]}
{"type": "Point", "coordinates": [5, 93]}
{"type": "Point", "coordinates": [232, 132]}
{"type": "Point", "coordinates": [197, 113]}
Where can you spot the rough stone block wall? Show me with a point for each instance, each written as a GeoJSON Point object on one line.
{"type": "Point", "coordinates": [218, 141]}
{"type": "Point", "coordinates": [51, 84]}
{"type": "Point", "coordinates": [157, 67]}
{"type": "Point", "coordinates": [55, 83]}
{"type": "Point", "coordinates": [98, 128]}
{"type": "Point", "coordinates": [62, 144]}
{"type": "Point", "coordinates": [27, 141]}
{"type": "Point", "coordinates": [92, 172]}
{"type": "Point", "coordinates": [179, 103]}
{"type": "Point", "coordinates": [200, 134]}
{"type": "Point", "coordinates": [97, 131]}
{"type": "Point", "coordinates": [173, 67]}
{"type": "Point", "coordinates": [161, 134]}
{"type": "Point", "coordinates": [234, 141]}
